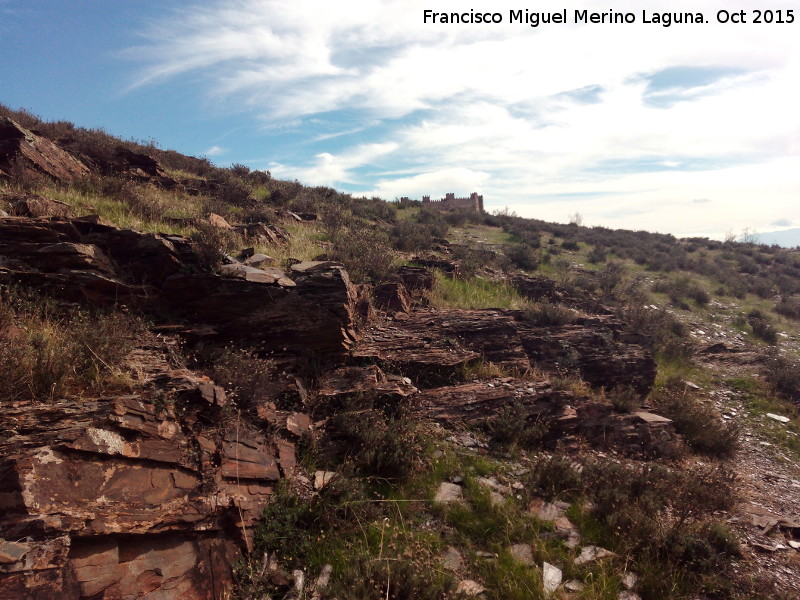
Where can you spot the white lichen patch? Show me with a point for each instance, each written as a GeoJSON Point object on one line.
{"type": "Point", "coordinates": [109, 440]}
{"type": "Point", "coordinates": [46, 456]}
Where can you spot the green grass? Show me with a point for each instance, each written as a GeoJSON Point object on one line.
{"type": "Point", "coordinates": [122, 214]}
{"type": "Point", "coordinates": [475, 293]}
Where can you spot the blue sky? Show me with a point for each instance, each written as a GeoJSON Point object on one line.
{"type": "Point", "coordinates": [691, 129]}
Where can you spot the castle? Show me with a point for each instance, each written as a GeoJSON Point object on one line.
{"type": "Point", "coordinates": [472, 204]}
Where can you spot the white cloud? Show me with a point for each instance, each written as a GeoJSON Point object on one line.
{"type": "Point", "coordinates": [486, 108]}
{"type": "Point", "coordinates": [215, 151]}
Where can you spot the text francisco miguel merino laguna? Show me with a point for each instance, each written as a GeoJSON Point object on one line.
{"type": "Point", "coordinates": [665, 19]}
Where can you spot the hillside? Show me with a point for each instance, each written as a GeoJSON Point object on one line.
{"type": "Point", "coordinates": [218, 385]}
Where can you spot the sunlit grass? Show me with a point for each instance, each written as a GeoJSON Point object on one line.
{"type": "Point", "coordinates": [475, 293]}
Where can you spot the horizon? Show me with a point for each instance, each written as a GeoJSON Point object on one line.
{"type": "Point", "coordinates": [688, 129]}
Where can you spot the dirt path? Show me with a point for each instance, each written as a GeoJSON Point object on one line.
{"type": "Point", "coordinates": [768, 517]}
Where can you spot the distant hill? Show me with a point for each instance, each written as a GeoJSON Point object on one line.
{"type": "Point", "coordinates": [788, 238]}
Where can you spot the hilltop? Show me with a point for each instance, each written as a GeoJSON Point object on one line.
{"type": "Point", "coordinates": [218, 384]}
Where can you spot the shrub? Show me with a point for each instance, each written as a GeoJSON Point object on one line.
{"type": "Point", "coordinates": [783, 375]}
{"type": "Point", "coordinates": [549, 313]}
{"type": "Point", "coordinates": [212, 244]}
{"type": "Point", "coordinates": [610, 277]}
{"type": "Point", "coordinates": [625, 399]}
{"type": "Point", "coordinates": [598, 254]}
{"type": "Point", "coordinates": [570, 245]}
{"type": "Point", "coordinates": [412, 237]}
{"type": "Point", "coordinates": [364, 252]}
{"type": "Point", "coordinates": [376, 444]}
{"type": "Point", "coordinates": [789, 308]}
{"type": "Point", "coordinates": [45, 353]}
{"type": "Point", "coordinates": [523, 256]}
{"type": "Point", "coordinates": [513, 427]}
{"type": "Point", "coordinates": [700, 424]}
{"type": "Point", "coordinates": [249, 379]}
{"type": "Point", "coordinates": [762, 329]}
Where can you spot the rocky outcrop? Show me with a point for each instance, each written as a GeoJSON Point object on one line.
{"type": "Point", "coordinates": [22, 149]}
{"type": "Point", "coordinates": [152, 492]}
{"type": "Point", "coordinates": [392, 297]}
{"type": "Point", "coordinates": [136, 165]}
{"type": "Point", "coordinates": [32, 205]}
{"type": "Point", "coordinates": [433, 347]}
{"type": "Point", "coordinates": [363, 382]}
{"type": "Point", "coordinates": [312, 309]}
{"type": "Point", "coordinates": [561, 414]}
{"type": "Point", "coordinates": [596, 348]}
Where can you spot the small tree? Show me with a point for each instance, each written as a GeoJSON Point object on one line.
{"type": "Point", "coordinates": [576, 219]}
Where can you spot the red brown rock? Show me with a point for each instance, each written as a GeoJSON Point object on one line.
{"type": "Point", "coordinates": [127, 496]}
{"type": "Point", "coordinates": [36, 154]}
{"type": "Point", "coordinates": [599, 352]}
{"type": "Point", "coordinates": [31, 205]}
{"type": "Point", "coordinates": [392, 297]}
{"type": "Point", "coordinates": [434, 347]}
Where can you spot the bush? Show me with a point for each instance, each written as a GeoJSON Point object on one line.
{"type": "Point", "coordinates": [523, 256]}
{"type": "Point", "coordinates": [789, 308]}
{"type": "Point", "coordinates": [762, 329]}
{"type": "Point", "coordinates": [549, 313]}
{"type": "Point", "coordinates": [212, 244]}
{"type": "Point", "coordinates": [364, 252]}
{"type": "Point", "coordinates": [570, 245]}
{"type": "Point", "coordinates": [514, 427]}
{"type": "Point", "coordinates": [597, 255]}
{"type": "Point", "coordinates": [783, 375]}
{"type": "Point", "coordinates": [700, 424]}
{"type": "Point", "coordinates": [376, 444]}
{"type": "Point", "coordinates": [412, 237]}
{"type": "Point", "coordinates": [249, 379]}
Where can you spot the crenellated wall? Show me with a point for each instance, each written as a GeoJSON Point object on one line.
{"type": "Point", "coordinates": [473, 203]}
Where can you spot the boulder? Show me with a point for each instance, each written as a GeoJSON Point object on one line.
{"type": "Point", "coordinates": [31, 205]}
{"type": "Point", "coordinates": [316, 315]}
{"type": "Point", "coordinates": [392, 297]}
{"type": "Point", "coordinates": [416, 279]}
{"type": "Point", "coordinates": [22, 149]}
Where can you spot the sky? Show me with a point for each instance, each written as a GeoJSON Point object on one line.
{"type": "Point", "coordinates": [691, 129]}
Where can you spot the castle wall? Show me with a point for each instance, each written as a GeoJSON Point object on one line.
{"type": "Point", "coordinates": [474, 203]}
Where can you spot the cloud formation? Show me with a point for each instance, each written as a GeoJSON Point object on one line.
{"type": "Point", "coordinates": [627, 124]}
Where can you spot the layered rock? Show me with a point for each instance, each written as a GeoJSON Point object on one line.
{"type": "Point", "coordinates": [312, 309]}
{"type": "Point", "coordinates": [596, 348]}
{"type": "Point", "coordinates": [21, 148]}
{"type": "Point", "coordinates": [566, 416]}
{"type": "Point", "coordinates": [147, 493]}
{"type": "Point", "coordinates": [434, 347]}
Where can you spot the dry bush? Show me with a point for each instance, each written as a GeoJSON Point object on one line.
{"type": "Point", "coordinates": [783, 375]}
{"type": "Point", "coordinates": [700, 424]}
{"type": "Point", "coordinates": [249, 379]}
{"type": "Point", "coordinates": [549, 313]}
{"type": "Point", "coordinates": [45, 354]}
{"type": "Point", "coordinates": [376, 444]}
{"type": "Point", "coordinates": [145, 201]}
{"type": "Point", "coordinates": [789, 307]}
{"type": "Point", "coordinates": [514, 427]}
{"type": "Point", "coordinates": [364, 252]}
{"type": "Point", "coordinates": [213, 243]}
